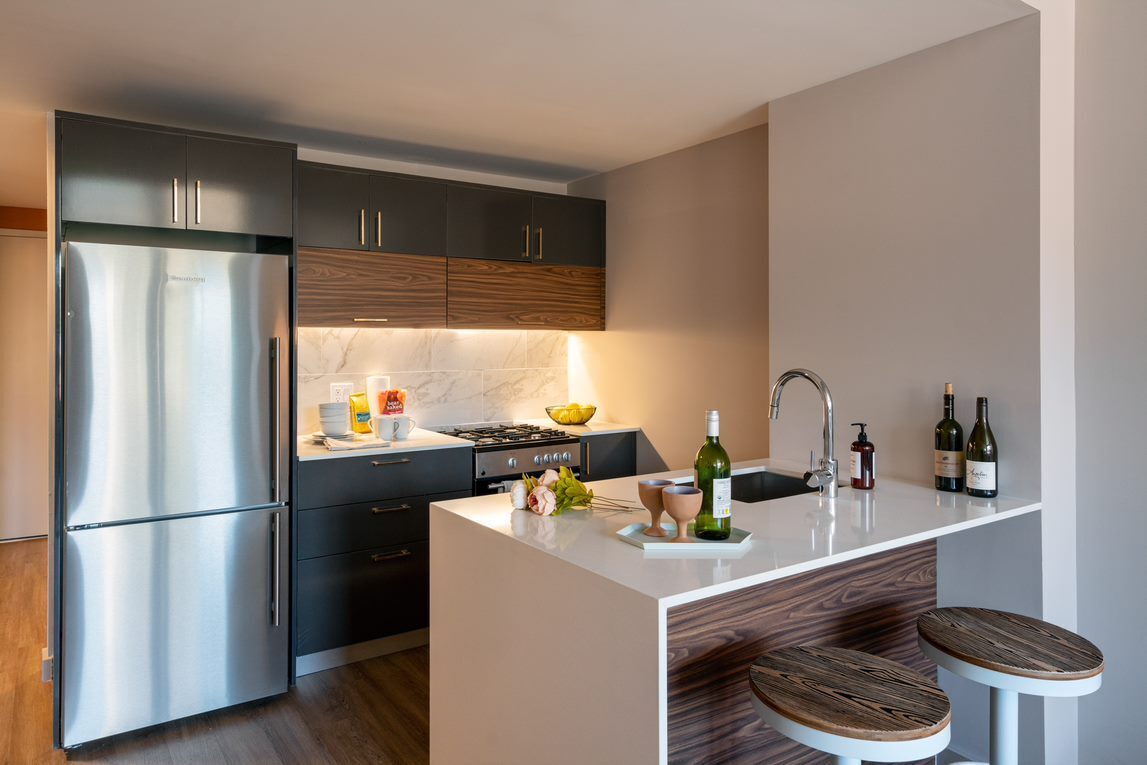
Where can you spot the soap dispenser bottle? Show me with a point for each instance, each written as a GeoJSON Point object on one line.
{"type": "Point", "coordinates": [863, 460]}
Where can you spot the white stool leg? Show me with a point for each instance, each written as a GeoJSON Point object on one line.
{"type": "Point", "coordinates": [1005, 727]}
{"type": "Point", "coordinates": [838, 760]}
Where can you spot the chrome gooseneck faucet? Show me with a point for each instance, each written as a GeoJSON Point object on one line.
{"type": "Point", "coordinates": [824, 477]}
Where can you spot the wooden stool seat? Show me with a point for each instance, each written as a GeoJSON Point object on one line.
{"type": "Point", "coordinates": [1011, 644]}
{"type": "Point", "coordinates": [1011, 654]}
{"type": "Point", "coordinates": [815, 694]}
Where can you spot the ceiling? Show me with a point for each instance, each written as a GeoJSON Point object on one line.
{"type": "Point", "coordinates": [550, 89]}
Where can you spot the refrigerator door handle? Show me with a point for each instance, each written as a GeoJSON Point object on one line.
{"type": "Point", "coordinates": [276, 445]}
{"type": "Point", "coordinates": [275, 569]}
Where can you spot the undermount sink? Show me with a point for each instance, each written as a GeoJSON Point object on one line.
{"type": "Point", "coordinates": [760, 486]}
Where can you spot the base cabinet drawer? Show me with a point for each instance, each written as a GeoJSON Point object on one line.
{"type": "Point", "coordinates": [348, 480]}
{"type": "Point", "coordinates": [365, 525]}
{"type": "Point", "coordinates": [360, 596]}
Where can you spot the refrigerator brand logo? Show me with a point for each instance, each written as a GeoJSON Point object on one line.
{"type": "Point", "coordinates": [178, 278]}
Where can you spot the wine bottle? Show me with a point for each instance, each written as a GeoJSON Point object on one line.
{"type": "Point", "coordinates": [982, 455]}
{"type": "Point", "coordinates": [949, 453]}
{"type": "Point", "coordinates": [712, 474]}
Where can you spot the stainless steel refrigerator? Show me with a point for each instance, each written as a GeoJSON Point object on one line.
{"type": "Point", "coordinates": [174, 511]}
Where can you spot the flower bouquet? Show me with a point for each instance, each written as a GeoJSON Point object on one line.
{"type": "Point", "coordinates": [554, 492]}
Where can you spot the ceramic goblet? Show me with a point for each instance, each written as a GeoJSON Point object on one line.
{"type": "Point", "coordinates": [649, 491]}
{"type": "Point", "coordinates": [682, 503]}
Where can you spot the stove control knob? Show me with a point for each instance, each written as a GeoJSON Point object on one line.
{"type": "Point", "coordinates": [557, 456]}
{"type": "Point", "coordinates": [566, 457]}
{"type": "Point", "coordinates": [537, 459]}
{"type": "Point", "coordinates": [512, 462]}
{"type": "Point", "coordinates": [546, 459]}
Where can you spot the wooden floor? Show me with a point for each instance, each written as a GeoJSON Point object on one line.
{"type": "Point", "coordinates": [376, 711]}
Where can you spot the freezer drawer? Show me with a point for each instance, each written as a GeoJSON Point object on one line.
{"type": "Point", "coordinates": [171, 618]}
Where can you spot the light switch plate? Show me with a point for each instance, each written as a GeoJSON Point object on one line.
{"type": "Point", "coordinates": [340, 392]}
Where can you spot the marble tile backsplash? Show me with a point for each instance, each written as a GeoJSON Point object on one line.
{"type": "Point", "coordinates": [451, 376]}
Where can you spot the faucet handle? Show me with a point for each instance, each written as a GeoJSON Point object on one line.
{"type": "Point", "coordinates": [811, 460]}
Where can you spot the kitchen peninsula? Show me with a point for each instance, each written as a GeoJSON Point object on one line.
{"type": "Point", "coordinates": [553, 641]}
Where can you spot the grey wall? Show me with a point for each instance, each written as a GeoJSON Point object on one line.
{"type": "Point", "coordinates": [904, 252]}
{"type": "Point", "coordinates": [1111, 367]}
{"type": "Point", "coordinates": [686, 300]}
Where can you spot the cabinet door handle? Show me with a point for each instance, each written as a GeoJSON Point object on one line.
{"type": "Point", "coordinates": [396, 509]}
{"type": "Point", "coordinates": [379, 557]}
{"type": "Point", "coordinates": [198, 205]}
{"type": "Point", "coordinates": [378, 230]}
{"type": "Point", "coordinates": [175, 200]}
{"type": "Point", "coordinates": [403, 461]}
{"type": "Point", "coordinates": [541, 254]}
{"type": "Point", "coordinates": [358, 319]}
{"type": "Point", "coordinates": [362, 226]}
{"type": "Point", "coordinates": [526, 241]}
{"type": "Point", "coordinates": [587, 472]}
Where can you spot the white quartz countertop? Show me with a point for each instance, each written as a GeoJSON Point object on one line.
{"type": "Point", "coordinates": [419, 439]}
{"type": "Point", "coordinates": [790, 535]}
{"type": "Point", "coordinates": [593, 427]}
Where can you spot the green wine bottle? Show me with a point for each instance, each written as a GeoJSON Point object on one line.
{"type": "Point", "coordinates": [712, 474]}
{"type": "Point", "coordinates": [949, 447]}
{"type": "Point", "coordinates": [982, 455]}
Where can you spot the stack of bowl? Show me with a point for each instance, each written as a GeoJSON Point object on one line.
{"type": "Point", "coordinates": [334, 419]}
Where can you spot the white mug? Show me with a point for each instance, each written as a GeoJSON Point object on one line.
{"type": "Point", "coordinates": [383, 427]}
{"type": "Point", "coordinates": [403, 425]}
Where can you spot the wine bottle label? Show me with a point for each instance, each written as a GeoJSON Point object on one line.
{"type": "Point", "coordinates": [855, 462]}
{"type": "Point", "coordinates": [722, 497]}
{"type": "Point", "coordinates": [982, 475]}
{"type": "Point", "coordinates": [949, 464]}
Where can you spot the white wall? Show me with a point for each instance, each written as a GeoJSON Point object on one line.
{"type": "Point", "coordinates": [1111, 371]}
{"type": "Point", "coordinates": [686, 312]}
{"type": "Point", "coordinates": [432, 171]}
{"type": "Point", "coordinates": [904, 252]}
{"type": "Point", "coordinates": [25, 385]}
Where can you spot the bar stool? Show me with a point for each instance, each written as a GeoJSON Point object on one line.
{"type": "Point", "coordinates": [850, 704]}
{"type": "Point", "coordinates": [1012, 654]}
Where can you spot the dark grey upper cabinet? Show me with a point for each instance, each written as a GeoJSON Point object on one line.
{"type": "Point", "coordinates": [122, 175]}
{"type": "Point", "coordinates": [490, 224]}
{"type": "Point", "coordinates": [138, 175]}
{"type": "Point", "coordinates": [569, 231]}
{"type": "Point", "coordinates": [357, 210]}
{"type": "Point", "coordinates": [239, 187]}
{"type": "Point", "coordinates": [408, 216]}
{"type": "Point", "coordinates": [333, 207]}
{"type": "Point", "coordinates": [496, 224]}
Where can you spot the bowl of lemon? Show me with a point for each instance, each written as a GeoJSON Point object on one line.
{"type": "Point", "coordinates": [571, 414]}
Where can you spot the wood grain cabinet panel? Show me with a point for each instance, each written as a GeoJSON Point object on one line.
{"type": "Point", "coordinates": [336, 287]}
{"type": "Point", "coordinates": [491, 294]}
{"type": "Point", "coordinates": [869, 604]}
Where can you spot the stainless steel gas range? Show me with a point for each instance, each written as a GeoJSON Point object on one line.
{"type": "Point", "coordinates": [503, 452]}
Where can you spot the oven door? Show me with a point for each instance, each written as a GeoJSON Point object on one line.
{"type": "Point", "coordinates": [502, 484]}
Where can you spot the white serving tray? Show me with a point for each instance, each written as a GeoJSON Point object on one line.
{"type": "Point", "coordinates": [738, 542]}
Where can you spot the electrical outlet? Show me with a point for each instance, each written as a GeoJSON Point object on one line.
{"type": "Point", "coordinates": [340, 392]}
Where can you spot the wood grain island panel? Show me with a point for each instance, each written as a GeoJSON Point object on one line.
{"type": "Point", "coordinates": [869, 604]}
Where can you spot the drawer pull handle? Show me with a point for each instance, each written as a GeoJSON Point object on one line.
{"type": "Point", "coordinates": [381, 510]}
{"type": "Point", "coordinates": [384, 463]}
{"type": "Point", "coordinates": [379, 557]}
